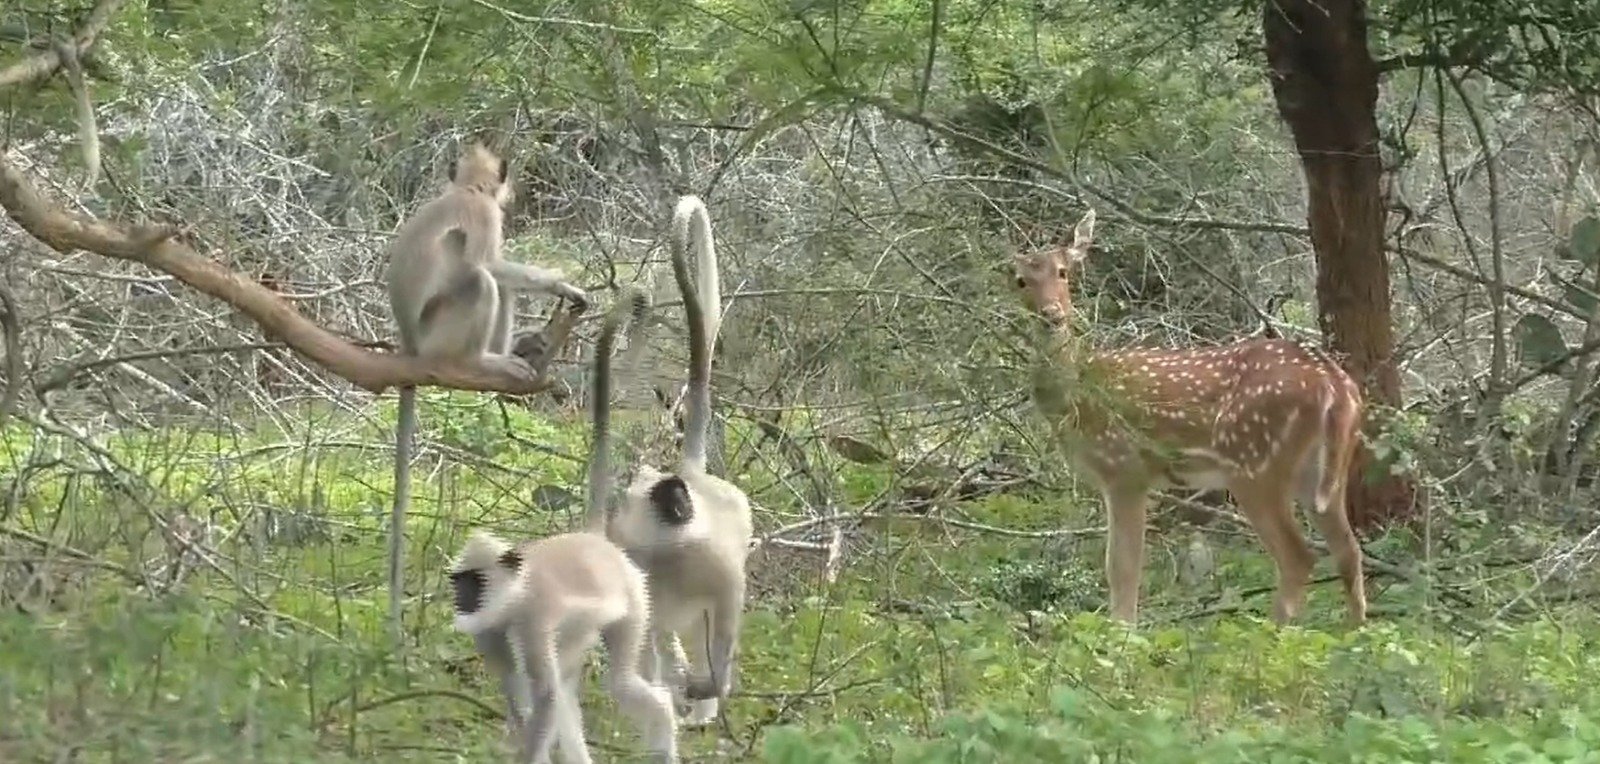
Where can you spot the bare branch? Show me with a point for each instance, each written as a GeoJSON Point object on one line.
{"type": "Point", "coordinates": [157, 247]}
{"type": "Point", "coordinates": [61, 375]}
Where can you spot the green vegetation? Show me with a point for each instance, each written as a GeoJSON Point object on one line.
{"type": "Point", "coordinates": [288, 659]}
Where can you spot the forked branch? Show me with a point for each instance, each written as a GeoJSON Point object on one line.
{"type": "Point", "coordinates": [157, 247]}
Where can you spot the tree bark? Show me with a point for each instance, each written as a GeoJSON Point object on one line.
{"type": "Point", "coordinates": [1326, 86]}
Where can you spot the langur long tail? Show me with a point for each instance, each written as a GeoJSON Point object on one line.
{"type": "Point", "coordinates": [702, 308]}
{"type": "Point", "coordinates": [635, 308]}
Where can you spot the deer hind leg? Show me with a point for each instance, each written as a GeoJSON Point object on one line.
{"type": "Point", "coordinates": [1125, 510]}
{"type": "Point", "coordinates": [1335, 526]}
{"type": "Point", "coordinates": [1269, 507]}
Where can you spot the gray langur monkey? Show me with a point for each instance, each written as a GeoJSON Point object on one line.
{"type": "Point", "coordinates": [535, 609]}
{"type": "Point", "coordinates": [690, 530]}
{"type": "Point", "coordinates": [453, 295]}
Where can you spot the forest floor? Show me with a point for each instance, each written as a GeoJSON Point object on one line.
{"type": "Point", "coordinates": [986, 647]}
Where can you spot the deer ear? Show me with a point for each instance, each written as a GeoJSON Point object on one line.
{"type": "Point", "coordinates": [1083, 235]}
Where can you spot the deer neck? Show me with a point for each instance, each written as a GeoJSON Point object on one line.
{"type": "Point", "coordinates": [1063, 374]}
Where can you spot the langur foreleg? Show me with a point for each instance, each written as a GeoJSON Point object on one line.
{"type": "Point", "coordinates": [531, 278]}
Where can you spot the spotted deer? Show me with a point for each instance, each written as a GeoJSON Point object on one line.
{"type": "Point", "coordinates": [1269, 420]}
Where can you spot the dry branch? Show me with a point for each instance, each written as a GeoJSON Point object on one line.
{"type": "Point", "coordinates": [156, 246]}
{"type": "Point", "coordinates": [11, 322]}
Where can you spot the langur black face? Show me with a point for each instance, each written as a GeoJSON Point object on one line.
{"type": "Point", "coordinates": [471, 583]}
{"type": "Point", "coordinates": [670, 498]}
{"type": "Point", "coordinates": [469, 586]}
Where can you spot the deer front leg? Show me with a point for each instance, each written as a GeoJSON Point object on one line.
{"type": "Point", "coordinates": [1125, 510]}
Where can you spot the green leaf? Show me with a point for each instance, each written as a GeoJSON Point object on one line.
{"type": "Point", "coordinates": [1539, 341]}
{"type": "Point", "coordinates": [1582, 299]}
{"type": "Point", "coordinates": [1584, 246]}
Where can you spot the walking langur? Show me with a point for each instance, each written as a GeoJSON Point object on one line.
{"type": "Point", "coordinates": [453, 295]}
{"type": "Point", "coordinates": [690, 530]}
{"type": "Point", "coordinates": [535, 609]}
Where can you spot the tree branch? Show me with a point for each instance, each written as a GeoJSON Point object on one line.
{"type": "Point", "coordinates": [939, 127]}
{"type": "Point", "coordinates": [156, 247]}
{"type": "Point", "coordinates": [11, 322]}
{"type": "Point", "coordinates": [45, 63]}
{"type": "Point", "coordinates": [1464, 53]}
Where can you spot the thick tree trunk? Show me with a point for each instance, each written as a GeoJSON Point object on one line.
{"type": "Point", "coordinates": [1326, 86]}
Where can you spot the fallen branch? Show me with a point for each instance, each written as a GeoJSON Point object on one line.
{"type": "Point", "coordinates": [157, 246]}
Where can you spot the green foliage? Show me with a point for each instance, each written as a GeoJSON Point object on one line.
{"type": "Point", "coordinates": [1399, 438]}
{"type": "Point", "coordinates": [1048, 584]}
{"type": "Point", "coordinates": [1584, 243]}
{"type": "Point", "coordinates": [1539, 341]}
{"type": "Point", "coordinates": [1383, 695]}
{"type": "Point", "coordinates": [862, 670]}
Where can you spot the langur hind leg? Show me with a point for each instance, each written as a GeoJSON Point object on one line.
{"type": "Point", "coordinates": [648, 705]}
{"type": "Point", "coordinates": [726, 612]}
{"type": "Point", "coordinates": [664, 662]}
{"type": "Point", "coordinates": [702, 711]}
{"type": "Point", "coordinates": [539, 728]}
{"type": "Point", "coordinates": [653, 660]}
{"type": "Point", "coordinates": [570, 745]}
{"type": "Point", "coordinates": [534, 658]}
{"type": "Point", "coordinates": [456, 323]}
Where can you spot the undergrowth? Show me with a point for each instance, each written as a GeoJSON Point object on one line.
{"type": "Point", "coordinates": [934, 644]}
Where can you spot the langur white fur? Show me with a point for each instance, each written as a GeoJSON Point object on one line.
{"type": "Point", "coordinates": [453, 295]}
{"type": "Point", "coordinates": [689, 530]}
{"type": "Point", "coordinates": [536, 609]}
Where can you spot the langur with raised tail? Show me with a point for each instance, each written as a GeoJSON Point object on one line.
{"type": "Point", "coordinates": [690, 530]}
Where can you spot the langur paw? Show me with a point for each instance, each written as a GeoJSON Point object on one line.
{"type": "Point", "coordinates": [531, 347]}
{"type": "Point", "coordinates": [510, 364]}
{"type": "Point", "coordinates": [702, 689]}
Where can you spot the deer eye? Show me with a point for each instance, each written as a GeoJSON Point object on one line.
{"type": "Point", "coordinates": [1022, 283]}
{"type": "Point", "coordinates": [1061, 272]}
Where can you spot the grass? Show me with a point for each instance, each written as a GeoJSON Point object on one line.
{"type": "Point", "coordinates": [934, 644]}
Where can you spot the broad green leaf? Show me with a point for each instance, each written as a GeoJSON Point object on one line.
{"type": "Point", "coordinates": [1584, 245]}
{"type": "Point", "coordinates": [1538, 341]}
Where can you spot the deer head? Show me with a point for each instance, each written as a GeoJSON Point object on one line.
{"type": "Point", "coordinates": [1044, 275]}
